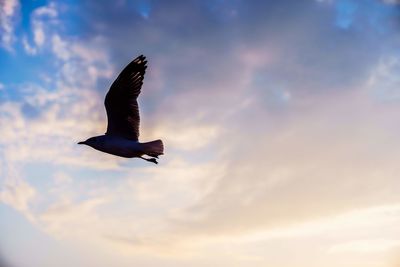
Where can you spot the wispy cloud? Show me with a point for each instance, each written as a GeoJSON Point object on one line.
{"type": "Point", "coordinates": [14, 191]}
{"type": "Point", "coordinates": [42, 19]}
{"type": "Point", "coordinates": [8, 12]}
{"type": "Point", "coordinates": [280, 130]}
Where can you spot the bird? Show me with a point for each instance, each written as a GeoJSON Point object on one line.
{"type": "Point", "coordinates": [122, 135]}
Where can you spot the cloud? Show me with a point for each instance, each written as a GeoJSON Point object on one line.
{"type": "Point", "coordinates": [51, 133]}
{"type": "Point", "coordinates": [270, 132]}
{"type": "Point", "coordinates": [297, 168]}
{"type": "Point", "coordinates": [59, 48]}
{"type": "Point", "coordinates": [191, 136]}
{"type": "Point", "coordinates": [282, 184]}
{"type": "Point", "coordinates": [49, 11]}
{"type": "Point", "coordinates": [366, 246]}
{"type": "Point", "coordinates": [391, 2]}
{"type": "Point", "coordinates": [42, 20]}
{"type": "Point", "coordinates": [303, 69]}
{"type": "Point", "coordinates": [383, 81]}
{"type": "Point", "coordinates": [38, 20]}
{"type": "Point", "coordinates": [155, 198]}
{"type": "Point", "coordinates": [8, 11]}
{"type": "Point", "coordinates": [29, 49]}
{"type": "Point", "coordinates": [14, 191]}
{"type": "Point", "coordinates": [38, 34]}
{"type": "Point", "coordinates": [239, 96]}
{"type": "Point", "coordinates": [17, 194]}
{"type": "Point", "coordinates": [46, 120]}
{"type": "Point", "coordinates": [64, 214]}
{"type": "Point", "coordinates": [41, 126]}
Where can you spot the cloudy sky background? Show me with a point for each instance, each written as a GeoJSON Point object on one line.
{"type": "Point", "coordinates": [281, 122]}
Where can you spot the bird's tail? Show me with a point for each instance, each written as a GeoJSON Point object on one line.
{"type": "Point", "coordinates": [153, 148]}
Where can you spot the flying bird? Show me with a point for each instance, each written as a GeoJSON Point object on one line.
{"type": "Point", "coordinates": [122, 136]}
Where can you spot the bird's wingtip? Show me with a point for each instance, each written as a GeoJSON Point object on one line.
{"type": "Point", "coordinates": [140, 59]}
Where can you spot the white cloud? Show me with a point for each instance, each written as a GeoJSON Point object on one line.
{"type": "Point", "coordinates": [260, 176]}
{"type": "Point", "coordinates": [8, 11]}
{"type": "Point", "coordinates": [45, 126]}
{"type": "Point", "coordinates": [192, 136]}
{"type": "Point", "coordinates": [29, 49]}
{"type": "Point", "coordinates": [14, 191]}
{"type": "Point", "coordinates": [64, 214]}
{"type": "Point", "coordinates": [54, 132]}
{"type": "Point", "coordinates": [39, 36]}
{"type": "Point", "coordinates": [49, 11]}
{"type": "Point", "coordinates": [155, 199]}
{"type": "Point", "coordinates": [43, 19]}
{"type": "Point", "coordinates": [62, 179]}
{"type": "Point", "coordinates": [17, 194]}
{"type": "Point", "coordinates": [302, 165]}
{"type": "Point", "coordinates": [366, 246]}
{"type": "Point", "coordinates": [255, 169]}
{"type": "Point", "coordinates": [82, 63]}
{"type": "Point", "coordinates": [60, 48]}
{"type": "Point", "coordinates": [383, 81]}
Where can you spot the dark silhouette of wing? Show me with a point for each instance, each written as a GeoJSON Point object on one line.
{"type": "Point", "coordinates": [121, 100]}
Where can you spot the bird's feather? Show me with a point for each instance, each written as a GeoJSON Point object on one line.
{"type": "Point", "coordinates": [121, 100]}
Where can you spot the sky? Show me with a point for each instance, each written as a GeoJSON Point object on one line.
{"type": "Point", "coordinates": [280, 121]}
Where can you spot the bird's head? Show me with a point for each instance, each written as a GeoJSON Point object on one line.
{"type": "Point", "coordinates": [92, 141]}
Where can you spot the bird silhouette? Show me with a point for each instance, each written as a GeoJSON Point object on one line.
{"type": "Point", "coordinates": [122, 136]}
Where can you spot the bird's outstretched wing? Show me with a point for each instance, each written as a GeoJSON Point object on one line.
{"type": "Point", "coordinates": [121, 100]}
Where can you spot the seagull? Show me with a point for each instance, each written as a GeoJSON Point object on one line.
{"type": "Point", "coordinates": [122, 136]}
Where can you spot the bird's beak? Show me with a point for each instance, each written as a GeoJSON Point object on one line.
{"type": "Point", "coordinates": [82, 143]}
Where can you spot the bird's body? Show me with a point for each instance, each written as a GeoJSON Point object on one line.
{"type": "Point", "coordinates": [121, 138]}
{"type": "Point", "coordinates": [118, 146]}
